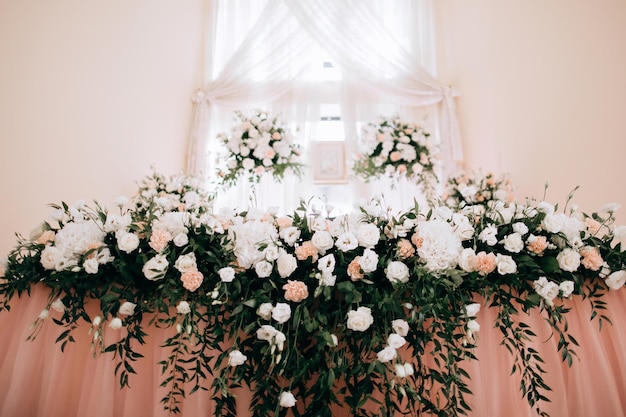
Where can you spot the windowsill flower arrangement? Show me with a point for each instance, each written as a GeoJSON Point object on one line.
{"type": "Point", "coordinates": [309, 311]}
{"type": "Point", "coordinates": [259, 143]}
{"type": "Point", "coordinates": [395, 148]}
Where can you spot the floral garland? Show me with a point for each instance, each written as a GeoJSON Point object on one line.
{"type": "Point", "coordinates": [259, 143]}
{"type": "Point", "coordinates": [395, 148]}
{"type": "Point", "coordinates": [296, 306]}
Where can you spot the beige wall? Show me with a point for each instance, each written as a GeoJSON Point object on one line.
{"type": "Point", "coordinates": [94, 93]}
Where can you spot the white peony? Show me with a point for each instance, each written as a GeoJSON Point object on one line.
{"type": "Point", "coordinates": [441, 246]}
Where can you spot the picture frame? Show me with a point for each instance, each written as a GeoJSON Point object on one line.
{"type": "Point", "coordinates": [329, 163]}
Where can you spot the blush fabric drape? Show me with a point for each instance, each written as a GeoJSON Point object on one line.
{"type": "Point", "coordinates": [38, 380]}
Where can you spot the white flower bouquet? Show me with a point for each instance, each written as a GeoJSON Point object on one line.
{"type": "Point", "coordinates": [259, 143]}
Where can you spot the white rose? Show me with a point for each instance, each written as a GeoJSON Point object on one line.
{"type": "Point", "coordinates": [247, 164]}
{"type": "Point", "coordinates": [50, 257]}
{"type": "Point", "coordinates": [265, 311]}
{"type": "Point", "coordinates": [387, 354]}
{"type": "Point", "coordinates": [360, 319]}
{"type": "Point", "coordinates": [227, 274]}
{"type": "Point", "coordinates": [566, 288]}
{"type": "Point", "coordinates": [368, 235]}
{"type": "Point", "coordinates": [263, 269]}
{"type": "Point", "coordinates": [513, 243]}
{"type": "Point", "coordinates": [369, 261]}
{"type": "Point", "coordinates": [186, 263]}
{"type": "Point", "coordinates": [91, 266]}
{"type": "Point", "coordinates": [127, 308]}
{"type": "Point", "coordinates": [520, 228]}
{"type": "Point", "coordinates": [116, 323]}
{"type": "Point", "coordinates": [400, 326]}
{"type": "Point", "coordinates": [397, 271]}
{"type": "Point", "coordinates": [322, 240]}
{"type": "Point", "coordinates": [616, 280]}
{"type": "Point", "coordinates": [396, 341]}
{"type": "Point", "coordinates": [236, 358]}
{"type": "Point", "coordinates": [548, 290]}
{"type": "Point", "coordinates": [286, 264]}
{"type": "Point", "coordinates": [467, 260]}
{"type": "Point", "coordinates": [287, 399]}
{"type": "Point", "coordinates": [569, 260]}
{"type": "Point", "coordinates": [506, 264]}
{"type": "Point", "coordinates": [155, 268]}
{"type": "Point", "coordinates": [471, 310]}
{"type": "Point", "coordinates": [183, 308]}
{"type": "Point", "coordinates": [127, 242]}
{"type": "Point", "coordinates": [180, 240]}
{"type": "Point", "coordinates": [271, 253]}
{"type": "Point", "coordinates": [554, 223]}
{"type": "Point", "coordinates": [281, 312]}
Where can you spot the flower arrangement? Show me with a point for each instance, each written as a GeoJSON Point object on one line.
{"type": "Point", "coordinates": [395, 148]}
{"type": "Point", "coordinates": [257, 144]}
{"type": "Point", "coordinates": [309, 311]}
{"type": "Point", "coordinates": [472, 188]}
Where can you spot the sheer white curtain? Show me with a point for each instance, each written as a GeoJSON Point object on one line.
{"type": "Point", "coordinates": [261, 54]}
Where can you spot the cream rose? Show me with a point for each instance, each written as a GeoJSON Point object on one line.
{"type": "Point", "coordinates": [281, 312]}
{"type": "Point", "coordinates": [127, 242]}
{"type": "Point", "coordinates": [227, 274]}
{"type": "Point", "coordinates": [568, 259]}
{"type": "Point", "coordinates": [368, 235]}
{"type": "Point", "coordinates": [397, 272]}
{"type": "Point", "coordinates": [286, 264]}
{"type": "Point", "coordinates": [322, 240]}
{"type": "Point", "coordinates": [360, 319]}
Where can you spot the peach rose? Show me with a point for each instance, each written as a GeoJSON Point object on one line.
{"type": "Point", "coordinates": [354, 269]}
{"type": "Point", "coordinates": [401, 169]}
{"type": "Point", "coordinates": [395, 156]}
{"type": "Point", "coordinates": [46, 237]}
{"type": "Point", "coordinates": [192, 280]}
{"type": "Point", "coordinates": [417, 240]}
{"type": "Point", "coordinates": [593, 226]}
{"type": "Point", "coordinates": [306, 250]}
{"type": "Point", "coordinates": [295, 291]}
{"type": "Point", "coordinates": [284, 222]}
{"type": "Point", "coordinates": [405, 249]}
{"type": "Point", "coordinates": [485, 263]}
{"type": "Point", "coordinates": [276, 136]}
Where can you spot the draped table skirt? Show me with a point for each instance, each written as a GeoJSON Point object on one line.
{"type": "Point", "coordinates": [38, 380]}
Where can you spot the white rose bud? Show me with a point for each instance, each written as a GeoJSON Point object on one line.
{"type": "Point", "coordinates": [116, 323]}
{"type": "Point", "coordinates": [236, 358]}
{"type": "Point", "coordinates": [127, 309]}
{"type": "Point", "coordinates": [287, 399]}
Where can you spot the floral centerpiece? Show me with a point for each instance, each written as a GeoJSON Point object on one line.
{"type": "Point", "coordinates": [476, 188]}
{"type": "Point", "coordinates": [259, 143]}
{"type": "Point", "coordinates": [395, 148]}
{"type": "Point", "coordinates": [309, 311]}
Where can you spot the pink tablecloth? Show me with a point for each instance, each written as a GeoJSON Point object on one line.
{"type": "Point", "coordinates": [38, 380]}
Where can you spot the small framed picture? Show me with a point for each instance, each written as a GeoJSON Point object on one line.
{"type": "Point", "coordinates": [329, 163]}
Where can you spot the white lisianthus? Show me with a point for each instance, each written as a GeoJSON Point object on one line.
{"type": "Point", "coordinates": [327, 278]}
{"type": "Point", "coordinates": [387, 354]}
{"type": "Point", "coordinates": [548, 290]}
{"type": "Point", "coordinates": [400, 326]}
{"type": "Point", "coordinates": [186, 263]}
{"type": "Point", "coordinates": [471, 310]}
{"type": "Point", "coordinates": [368, 261]}
{"type": "Point", "coordinates": [472, 327]}
{"type": "Point", "coordinates": [619, 237]}
{"type": "Point", "coordinates": [127, 308]}
{"type": "Point", "coordinates": [263, 269]}
{"type": "Point", "coordinates": [568, 259]}
{"type": "Point", "coordinates": [287, 399]}
{"type": "Point", "coordinates": [116, 323]}
{"type": "Point", "coordinates": [403, 369]}
{"type": "Point", "coordinates": [513, 243]}
{"type": "Point", "coordinates": [360, 319]}
{"type": "Point", "coordinates": [396, 341]}
{"type": "Point", "coordinates": [290, 235]}
{"type": "Point", "coordinates": [347, 241]}
{"type": "Point", "coordinates": [566, 288]}
{"type": "Point", "coordinates": [227, 274]}
{"type": "Point", "coordinates": [58, 305]}
{"type": "Point", "coordinates": [91, 266]}
{"type": "Point", "coordinates": [266, 332]}
{"type": "Point", "coordinates": [127, 242]}
{"type": "Point", "coordinates": [236, 358]}
{"type": "Point", "coordinates": [616, 280]}
{"type": "Point", "coordinates": [326, 263]}
{"type": "Point", "coordinates": [505, 264]}
{"type": "Point", "coordinates": [368, 235]}
{"type": "Point", "coordinates": [521, 228]}
{"type": "Point", "coordinates": [155, 268]}
{"type": "Point", "coordinates": [489, 235]}
{"type": "Point", "coordinates": [281, 312]}
{"type": "Point", "coordinates": [183, 307]}
{"type": "Point", "coordinates": [265, 311]}
{"type": "Point", "coordinates": [397, 272]}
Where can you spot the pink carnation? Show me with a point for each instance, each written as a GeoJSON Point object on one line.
{"type": "Point", "coordinates": [192, 280]}
{"type": "Point", "coordinates": [295, 291]}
